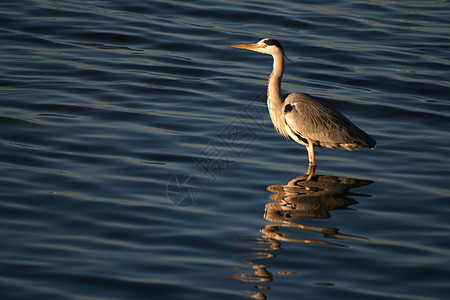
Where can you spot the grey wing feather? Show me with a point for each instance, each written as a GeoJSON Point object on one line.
{"type": "Point", "coordinates": [314, 121]}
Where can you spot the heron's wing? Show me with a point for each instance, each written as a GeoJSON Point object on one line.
{"type": "Point", "coordinates": [312, 120]}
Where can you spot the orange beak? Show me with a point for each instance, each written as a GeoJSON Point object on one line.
{"type": "Point", "coordinates": [246, 46]}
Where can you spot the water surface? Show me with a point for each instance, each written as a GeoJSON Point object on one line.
{"type": "Point", "coordinates": [138, 160]}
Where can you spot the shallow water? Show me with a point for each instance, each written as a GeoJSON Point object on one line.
{"type": "Point", "coordinates": [138, 160]}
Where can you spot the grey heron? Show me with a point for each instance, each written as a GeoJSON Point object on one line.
{"type": "Point", "coordinates": [307, 120]}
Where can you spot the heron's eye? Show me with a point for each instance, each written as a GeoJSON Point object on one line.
{"type": "Point", "coordinates": [271, 42]}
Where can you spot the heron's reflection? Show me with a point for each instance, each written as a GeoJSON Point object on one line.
{"type": "Point", "coordinates": [303, 197]}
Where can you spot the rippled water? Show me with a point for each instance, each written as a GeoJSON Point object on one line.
{"type": "Point", "coordinates": [138, 160]}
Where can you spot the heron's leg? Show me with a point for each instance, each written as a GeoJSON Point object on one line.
{"type": "Point", "coordinates": [312, 159]}
{"type": "Point", "coordinates": [311, 172]}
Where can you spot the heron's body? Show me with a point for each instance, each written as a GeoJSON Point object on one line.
{"type": "Point", "coordinates": [307, 120]}
{"type": "Point", "coordinates": [333, 130]}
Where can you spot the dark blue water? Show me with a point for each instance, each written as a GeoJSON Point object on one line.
{"type": "Point", "coordinates": [138, 161]}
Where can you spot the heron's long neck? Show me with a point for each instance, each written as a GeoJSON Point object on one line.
{"type": "Point", "coordinates": [274, 100]}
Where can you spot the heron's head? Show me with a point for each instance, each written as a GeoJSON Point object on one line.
{"type": "Point", "coordinates": [267, 46]}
